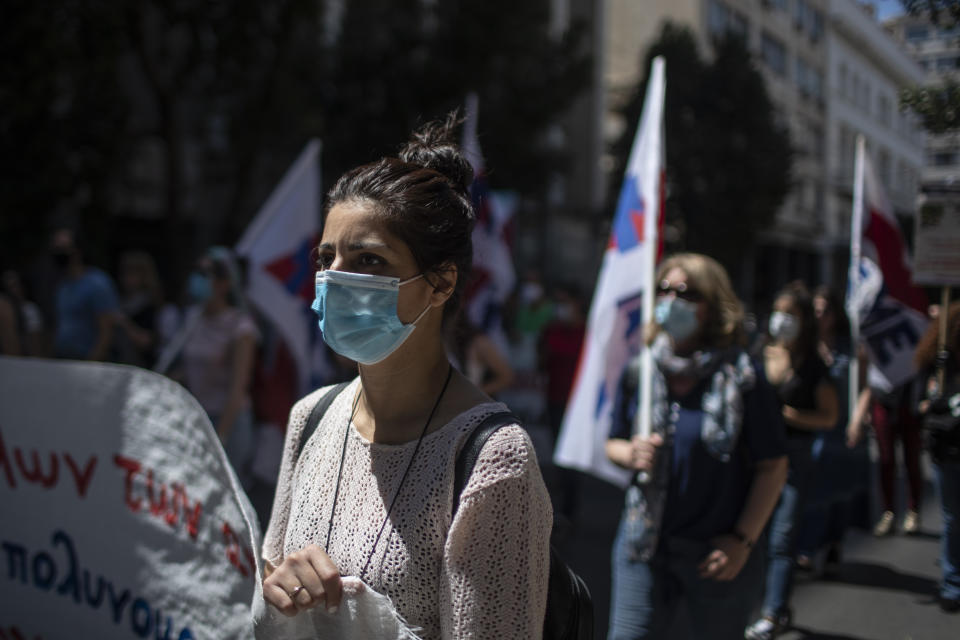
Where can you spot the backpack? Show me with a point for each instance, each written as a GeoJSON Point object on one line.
{"type": "Point", "coordinates": [569, 614]}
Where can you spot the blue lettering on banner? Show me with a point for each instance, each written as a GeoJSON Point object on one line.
{"type": "Point", "coordinates": [41, 569]}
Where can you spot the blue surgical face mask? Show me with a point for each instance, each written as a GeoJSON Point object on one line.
{"type": "Point", "coordinates": [199, 287]}
{"type": "Point", "coordinates": [784, 326]}
{"type": "Point", "coordinates": [358, 314]}
{"type": "Point", "coordinates": [677, 316]}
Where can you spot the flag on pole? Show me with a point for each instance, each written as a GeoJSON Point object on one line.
{"type": "Point", "coordinates": [493, 276]}
{"type": "Point", "coordinates": [277, 246]}
{"type": "Point", "coordinates": [887, 311]}
{"type": "Point", "coordinates": [618, 311]}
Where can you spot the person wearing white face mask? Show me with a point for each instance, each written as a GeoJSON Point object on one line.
{"type": "Point", "coordinates": [810, 404]}
{"type": "Point", "coordinates": [369, 494]}
{"type": "Point", "coordinates": [717, 453]}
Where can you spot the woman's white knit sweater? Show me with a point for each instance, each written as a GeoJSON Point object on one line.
{"type": "Point", "coordinates": [483, 575]}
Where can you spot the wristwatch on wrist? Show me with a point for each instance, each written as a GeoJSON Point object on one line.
{"type": "Point", "coordinates": [739, 535]}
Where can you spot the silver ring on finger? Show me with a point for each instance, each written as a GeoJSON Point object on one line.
{"type": "Point", "coordinates": [293, 594]}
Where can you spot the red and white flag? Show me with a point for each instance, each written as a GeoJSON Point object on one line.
{"type": "Point", "coordinates": [619, 309]}
{"type": "Point", "coordinates": [493, 276]}
{"type": "Point", "coordinates": [277, 246]}
{"type": "Point", "coordinates": [887, 310]}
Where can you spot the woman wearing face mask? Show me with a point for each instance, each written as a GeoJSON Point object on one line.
{"type": "Point", "coordinates": [810, 404]}
{"type": "Point", "coordinates": [716, 454]}
{"type": "Point", "coordinates": [218, 356]}
{"type": "Point", "coordinates": [371, 494]}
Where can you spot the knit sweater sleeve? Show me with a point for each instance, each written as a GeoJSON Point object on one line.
{"type": "Point", "coordinates": [280, 513]}
{"type": "Point", "coordinates": [497, 556]}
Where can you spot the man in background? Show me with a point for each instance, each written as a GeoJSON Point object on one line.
{"type": "Point", "coordinates": [86, 303]}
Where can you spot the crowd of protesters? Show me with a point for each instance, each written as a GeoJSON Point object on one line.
{"type": "Point", "coordinates": [800, 350]}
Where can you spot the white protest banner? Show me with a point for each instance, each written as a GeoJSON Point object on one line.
{"type": "Point", "coordinates": [120, 516]}
{"type": "Point", "coordinates": [936, 241]}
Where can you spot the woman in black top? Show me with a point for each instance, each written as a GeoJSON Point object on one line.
{"type": "Point", "coordinates": [810, 404]}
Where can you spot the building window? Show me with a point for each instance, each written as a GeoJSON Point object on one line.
{"type": "Point", "coordinates": [916, 33]}
{"type": "Point", "coordinates": [883, 110]}
{"type": "Point", "coordinates": [799, 14]}
{"type": "Point", "coordinates": [815, 24]}
{"type": "Point", "coordinates": [776, 4]}
{"type": "Point", "coordinates": [942, 158]}
{"type": "Point", "coordinates": [842, 80]}
{"type": "Point", "coordinates": [722, 21]}
{"type": "Point", "coordinates": [809, 80]}
{"type": "Point", "coordinates": [946, 64]}
{"type": "Point", "coordinates": [773, 53]}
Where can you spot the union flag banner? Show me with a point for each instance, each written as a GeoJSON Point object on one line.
{"type": "Point", "coordinates": [619, 308]}
{"type": "Point", "coordinates": [887, 310]}
{"type": "Point", "coordinates": [277, 246]}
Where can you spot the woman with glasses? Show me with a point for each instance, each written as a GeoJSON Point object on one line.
{"type": "Point", "coordinates": [370, 496]}
{"type": "Point", "coordinates": [715, 458]}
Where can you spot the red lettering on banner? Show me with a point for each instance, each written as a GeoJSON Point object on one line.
{"type": "Point", "coordinates": [158, 507]}
{"type": "Point", "coordinates": [13, 633]}
{"type": "Point", "coordinates": [132, 467]}
{"type": "Point", "coordinates": [30, 467]}
{"type": "Point", "coordinates": [5, 463]}
{"type": "Point", "coordinates": [81, 479]}
{"type": "Point", "coordinates": [234, 551]}
{"type": "Point", "coordinates": [171, 504]}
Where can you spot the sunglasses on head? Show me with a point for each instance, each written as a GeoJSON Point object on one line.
{"type": "Point", "coordinates": [681, 291]}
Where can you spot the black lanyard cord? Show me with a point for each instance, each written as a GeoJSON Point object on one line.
{"type": "Point", "coordinates": [406, 472]}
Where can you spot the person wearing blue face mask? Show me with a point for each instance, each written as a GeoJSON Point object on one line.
{"type": "Point", "coordinates": [717, 452]}
{"type": "Point", "coordinates": [809, 405]}
{"type": "Point", "coordinates": [219, 352]}
{"type": "Point", "coordinates": [369, 493]}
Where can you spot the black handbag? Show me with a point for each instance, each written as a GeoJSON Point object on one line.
{"type": "Point", "coordinates": [569, 614]}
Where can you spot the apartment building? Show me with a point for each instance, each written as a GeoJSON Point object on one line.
{"type": "Point", "coordinates": [802, 48]}
{"type": "Point", "coordinates": [866, 72]}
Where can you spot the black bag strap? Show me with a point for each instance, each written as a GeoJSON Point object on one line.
{"type": "Point", "coordinates": [316, 413]}
{"type": "Point", "coordinates": [470, 452]}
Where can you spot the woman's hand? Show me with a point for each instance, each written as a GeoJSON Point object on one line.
{"type": "Point", "coordinates": [637, 454]}
{"type": "Point", "coordinates": [305, 579]}
{"type": "Point", "coordinates": [726, 560]}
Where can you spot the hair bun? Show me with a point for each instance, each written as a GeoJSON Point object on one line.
{"type": "Point", "coordinates": [432, 147]}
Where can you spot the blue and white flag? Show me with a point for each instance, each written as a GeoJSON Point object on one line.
{"type": "Point", "coordinates": [618, 311]}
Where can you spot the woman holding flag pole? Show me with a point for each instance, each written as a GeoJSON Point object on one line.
{"type": "Point", "coordinates": [716, 456]}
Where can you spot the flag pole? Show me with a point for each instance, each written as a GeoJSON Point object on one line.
{"type": "Point", "coordinates": [651, 190]}
{"type": "Point", "coordinates": [856, 236]}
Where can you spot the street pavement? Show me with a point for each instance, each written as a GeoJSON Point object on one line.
{"type": "Point", "coordinates": [884, 588]}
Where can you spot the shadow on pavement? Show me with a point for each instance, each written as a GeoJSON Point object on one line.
{"type": "Point", "coordinates": [812, 634]}
{"type": "Point", "coordinates": [880, 576]}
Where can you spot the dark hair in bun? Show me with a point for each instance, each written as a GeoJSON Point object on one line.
{"type": "Point", "coordinates": [424, 199]}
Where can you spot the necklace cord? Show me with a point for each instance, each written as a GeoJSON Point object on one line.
{"type": "Point", "coordinates": [406, 472]}
{"type": "Point", "coordinates": [343, 455]}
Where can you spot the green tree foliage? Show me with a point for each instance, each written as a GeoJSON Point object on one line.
{"type": "Point", "coordinates": [61, 106]}
{"type": "Point", "coordinates": [944, 12]}
{"type": "Point", "coordinates": [223, 95]}
{"type": "Point", "coordinates": [728, 162]}
{"type": "Point", "coordinates": [937, 105]}
{"type": "Point", "coordinates": [498, 48]}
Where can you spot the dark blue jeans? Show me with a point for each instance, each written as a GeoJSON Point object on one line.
{"type": "Point", "coordinates": [948, 484]}
{"type": "Point", "coordinates": [645, 595]}
{"type": "Point", "coordinates": [784, 528]}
